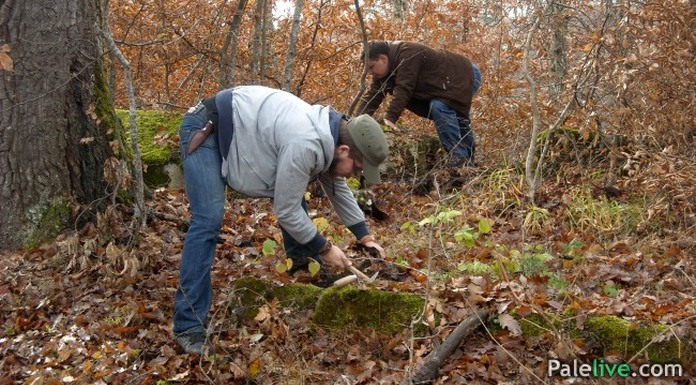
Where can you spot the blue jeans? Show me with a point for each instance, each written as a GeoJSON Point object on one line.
{"type": "Point", "coordinates": [454, 128]}
{"type": "Point", "coordinates": [477, 77]}
{"type": "Point", "coordinates": [454, 132]}
{"type": "Point", "coordinates": [205, 189]}
{"type": "Point", "coordinates": [296, 251]}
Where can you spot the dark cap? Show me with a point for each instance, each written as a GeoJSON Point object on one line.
{"type": "Point", "coordinates": [372, 144]}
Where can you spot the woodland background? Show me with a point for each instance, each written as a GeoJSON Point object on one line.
{"type": "Point", "coordinates": [581, 205]}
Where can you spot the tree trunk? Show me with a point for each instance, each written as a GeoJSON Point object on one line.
{"type": "Point", "coordinates": [229, 49]}
{"type": "Point", "coordinates": [292, 44]}
{"type": "Point", "coordinates": [400, 8]}
{"type": "Point", "coordinates": [55, 112]}
{"type": "Point", "coordinates": [558, 62]}
{"type": "Point", "coordinates": [256, 58]}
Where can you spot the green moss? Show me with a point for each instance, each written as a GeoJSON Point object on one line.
{"type": "Point", "coordinates": [104, 108]}
{"type": "Point", "coordinates": [254, 293]}
{"type": "Point", "coordinates": [617, 336]}
{"type": "Point", "coordinates": [157, 131]}
{"type": "Point", "coordinates": [385, 312]}
{"type": "Point", "coordinates": [297, 296]}
{"type": "Point", "coordinates": [417, 156]}
{"type": "Point", "coordinates": [47, 220]}
{"type": "Point", "coordinates": [534, 325]}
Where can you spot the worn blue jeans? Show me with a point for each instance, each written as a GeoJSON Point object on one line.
{"type": "Point", "coordinates": [454, 128]}
{"type": "Point", "coordinates": [296, 251]}
{"type": "Point", "coordinates": [205, 189]}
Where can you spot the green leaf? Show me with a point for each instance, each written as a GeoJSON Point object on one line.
{"type": "Point", "coordinates": [314, 267]}
{"type": "Point", "coordinates": [475, 268]}
{"type": "Point", "coordinates": [353, 183]}
{"type": "Point", "coordinates": [447, 216]}
{"type": "Point", "coordinates": [426, 221]}
{"type": "Point", "coordinates": [269, 246]}
{"type": "Point", "coordinates": [281, 267]}
{"type": "Point", "coordinates": [484, 226]}
{"type": "Point", "coordinates": [465, 236]}
{"type": "Point", "coordinates": [610, 290]}
{"type": "Point", "coordinates": [407, 226]}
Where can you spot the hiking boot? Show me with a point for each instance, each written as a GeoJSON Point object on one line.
{"type": "Point", "coordinates": [194, 342]}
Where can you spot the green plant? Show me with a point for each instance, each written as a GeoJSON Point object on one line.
{"type": "Point", "coordinates": [587, 213]}
{"type": "Point", "coordinates": [557, 282]}
{"type": "Point", "coordinates": [537, 219]}
{"type": "Point", "coordinates": [573, 248]}
{"type": "Point", "coordinates": [534, 264]}
{"type": "Point", "coordinates": [269, 246]}
{"type": "Point", "coordinates": [440, 217]}
{"type": "Point", "coordinates": [474, 268]}
{"type": "Point", "coordinates": [468, 237]}
{"type": "Point", "coordinates": [408, 226]}
{"type": "Point", "coordinates": [610, 289]}
{"type": "Point", "coordinates": [504, 187]}
{"type": "Point", "coordinates": [529, 262]}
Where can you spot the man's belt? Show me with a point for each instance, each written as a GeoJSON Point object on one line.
{"type": "Point", "coordinates": [199, 137]}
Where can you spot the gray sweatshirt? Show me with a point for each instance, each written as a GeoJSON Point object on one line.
{"type": "Point", "coordinates": [281, 144]}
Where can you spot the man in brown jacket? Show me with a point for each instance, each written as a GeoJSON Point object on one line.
{"type": "Point", "coordinates": [434, 84]}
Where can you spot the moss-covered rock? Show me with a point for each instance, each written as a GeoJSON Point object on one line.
{"type": "Point", "coordinates": [614, 335]}
{"type": "Point", "coordinates": [611, 335]}
{"type": "Point", "coordinates": [413, 158]}
{"type": "Point", "coordinates": [157, 133]}
{"type": "Point", "coordinates": [254, 293]}
{"type": "Point", "coordinates": [386, 312]}
{"type": "Point", "coordinates": [337, 308]}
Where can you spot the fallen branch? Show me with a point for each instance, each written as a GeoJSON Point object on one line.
{"type": "Point", "coordinates": [431, 367]}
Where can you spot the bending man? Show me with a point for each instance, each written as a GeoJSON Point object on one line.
{"type": "Point", "coordinates": [264, 142]}
{"type": "Point", "coordinates": [434, 84]}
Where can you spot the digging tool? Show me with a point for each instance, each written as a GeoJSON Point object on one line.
{"type": "Point", "coordinates": [345, 280]}
{"type": "Point", "coordinates": [362, 275]}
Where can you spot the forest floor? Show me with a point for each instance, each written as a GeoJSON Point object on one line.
{"type": "Point", "coordinates": [95, 306]}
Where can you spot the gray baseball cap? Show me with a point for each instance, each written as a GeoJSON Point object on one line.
{"type": "Point", "coordinates": [372, 144]}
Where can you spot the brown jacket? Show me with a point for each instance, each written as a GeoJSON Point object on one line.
{"type": "Point", "coordinates": [417, 75]}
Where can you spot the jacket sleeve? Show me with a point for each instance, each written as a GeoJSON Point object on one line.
{"type": "Point", "coordinates": [408, 67]}
{"type": "Point", "coordinates": [293, 174]}
{"type": "Point", "coordinates": [343, 201]}
{"type": "Point", "coordinates": [371, 99]}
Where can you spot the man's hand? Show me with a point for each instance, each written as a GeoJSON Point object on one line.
{"type": "Point", "coordinates": [370, 242]}
{"type": "Point", "coordinates": [335, 257]}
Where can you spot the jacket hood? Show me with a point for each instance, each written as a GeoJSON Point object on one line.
{"type": "Point", "coordinates": [319, 116]}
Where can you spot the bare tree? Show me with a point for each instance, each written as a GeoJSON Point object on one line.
{"type": "Point", "coordinates": [530, 173]}
{"type": "Point", "coordinates": [400, 8]}
{"type": "Point", "coordinates": [228, 60]}
{"type": "Point", "coordinates": [312, 45]}
{"type": "Point", "coordinates": [366, 57]}
{"type": "Point", "coordinates": [132, 106]}
{"type": "Point", "coordinates": [292, 44]}
{"type": "Point", "coordinates": [558, 62]}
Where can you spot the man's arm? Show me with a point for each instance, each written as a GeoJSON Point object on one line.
{"type": "Point", "coordinates": [292, 176]}
{"type": "Point", "coordinates": [371, 99]}
{"type": "Point", "coordinates": [347, 209]}
{"type": "Point", "coordinates": [408, 61]}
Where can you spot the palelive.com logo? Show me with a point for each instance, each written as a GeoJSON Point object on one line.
{"type": "Point", "coordinates": [601, 368]}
